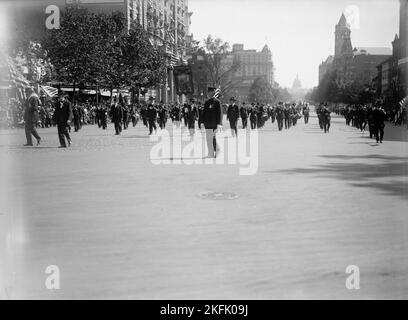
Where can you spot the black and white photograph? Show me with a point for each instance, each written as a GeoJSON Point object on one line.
{"type": "Point", "coordinates": [203, 150]}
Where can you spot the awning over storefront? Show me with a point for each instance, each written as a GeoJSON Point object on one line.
{"type": "Point", "coordinates": [107, 93]}
{"type": "Point", "coordinates": [88, 91]}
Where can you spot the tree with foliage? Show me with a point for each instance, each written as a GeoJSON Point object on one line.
{"type": "Point", "coordinates": [339, 85]}
{"type": "Point", "coordinates": [281, 94]}
{"type": "Point", "coordinates": [218, 67]}
{"type": "Point", "coordinates": [73, 49]}
{"type": "Point", "coordinates": [261, 91]}
{"type": "Point", "coordinates": [145, 65]}
{"type": "Point", "coordinates": [99, 48]}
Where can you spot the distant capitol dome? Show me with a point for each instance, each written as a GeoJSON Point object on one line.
{"type": "Point", "coordinates": [296, 83]}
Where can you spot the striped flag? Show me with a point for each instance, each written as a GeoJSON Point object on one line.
{"type": "Point", "coordinates": [50, 91]}
{"type": "Point", "coordinates": [217, 93]}
{"type": "Point", "coordinates": [404, 102]}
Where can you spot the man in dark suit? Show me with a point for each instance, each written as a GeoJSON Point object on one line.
{"type": "Point", "coordinates": [379, 117]}
{"type": "Point", "coordinates": [244, 115]}
{"type": "Point", "coordinates": [162, 112]}
{"type": "Point", "coordinates": [326, 118]}
{"type": "Point", "coordinates": [305, 112]}
{"type": "Point", "coordinates": [232, 116]}
{"type": "Point", "coordinates": [151, 115]}
{"type": "Point", "coordinates": [116, 114]}
{"type": "Point", "coordinates": [192, 115]}
{"type": "Point", "coordinates": [125, 111]}
{"type": "Point", "coordinates": [31, 117]}
{"type": "Point", "coordinates": [76, 111]}
{"type": "Point", "coordinates": [280, 113]}
{"type": "Point", "coordinates": [212, 121]}
{"type": "Point", "coordinates": [62, 117]}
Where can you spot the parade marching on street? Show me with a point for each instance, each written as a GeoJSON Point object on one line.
{"type": "Point", "coordinates": [156, 114]}
{"type": "Point", "coordinates": [145, 156]}
{"type": "Point", "coordinates": [158, 218]}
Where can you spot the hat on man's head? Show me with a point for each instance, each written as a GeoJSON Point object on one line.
{"type": "Point", "coordinates": [151, 98]}
{"type": "Point", "coordinates": [209, 89]}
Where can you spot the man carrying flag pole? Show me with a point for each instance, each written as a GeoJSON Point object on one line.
{"type": "Point", "coordinates": [211, 120]}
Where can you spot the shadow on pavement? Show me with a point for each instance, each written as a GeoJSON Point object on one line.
{"type": "Point", "coordinates": [136, 137]}
{"type": "Point", "coordinates": [179, 158]}
{"type": "Point", "coordinates": [394, 188]}
{"type": "Point", "coordinates": [372, 144]}
{"type": "Point", "coordinates": [26, 147]}
{"type": "Point", "coordinates": [370, 156]}
{"type": "Point", "coordinates": [391, 133]}
{"type": "Point", "coordinates": [363, 174]}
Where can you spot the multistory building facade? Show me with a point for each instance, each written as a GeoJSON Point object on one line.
{"type": "Point", "coordinates": [351, 64]}
{"type": "Point", "coordinates": [392, 73]}
{"type": "Point", "coordinates": [251, 64]}
{"type": "Point", "coordinates": [166, 21]}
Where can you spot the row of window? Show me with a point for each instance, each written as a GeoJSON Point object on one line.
{"type": "Point", "coordinates": [247, 71]}
{"type": "Point", "coordinates": [163, 4]}
{"type": "Point", "coordinates": [256, 59]}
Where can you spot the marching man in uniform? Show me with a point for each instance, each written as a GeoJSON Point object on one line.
{"type": "Point", "coordinates": [232, 116]}
{"type": "Point", "coordinates": [212, 120]}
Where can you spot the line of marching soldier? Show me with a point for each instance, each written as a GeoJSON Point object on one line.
{"type": "Point", "coordinates": [188, 114]}
{"type": "Point", "coordinates": [324, 117]}
{"type": "Point", "coordinates": [155, 115]}
{"type": "Point", "coordinates": [361, 116]}
{"type": "Point", "coordinates": [286, 115]}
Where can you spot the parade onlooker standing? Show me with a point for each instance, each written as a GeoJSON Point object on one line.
{"type": "Point", "coordinates": [31, 116]}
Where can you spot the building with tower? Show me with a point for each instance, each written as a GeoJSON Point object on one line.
{"type": "Point", "coordinates": [342, 36]}
{"type": "Point", "coordinates": [350, 62]}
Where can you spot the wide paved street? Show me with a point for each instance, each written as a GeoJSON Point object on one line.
{"type": "Point", "coordinates": [118, 226]}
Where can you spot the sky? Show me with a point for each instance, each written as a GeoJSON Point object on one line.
{"type": "Point", "coordinates": [300, 33]}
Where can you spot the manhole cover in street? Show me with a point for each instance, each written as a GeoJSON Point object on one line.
{"type": "Point", "coordinates": [218, 195]}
